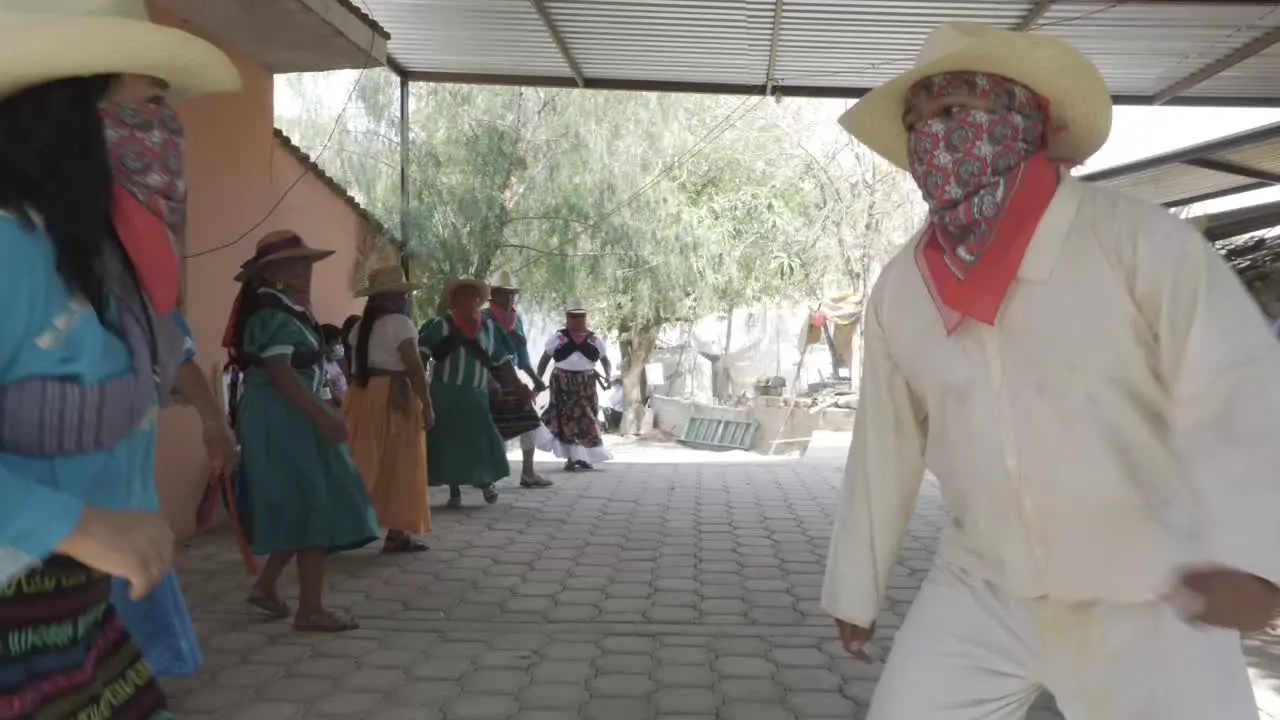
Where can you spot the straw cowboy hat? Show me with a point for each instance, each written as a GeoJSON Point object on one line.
{"type": "Point", "coordinates": [45, 40]}
{"type": "Point", "coordinates": [576, 307]}
{"type": "Point", "coordinates": [277, 246]}
{"type": "Point", "coordinates": [453, 285]}
{"type": "Point", "coordinates": [386, 279]}
{"type": "Point", "coordinates": [504, 280]}
{"type": "Point", "coordinates": [1079, 103]}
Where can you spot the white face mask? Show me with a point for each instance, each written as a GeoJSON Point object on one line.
{"type": "Point", "coordinates": [337, 353]}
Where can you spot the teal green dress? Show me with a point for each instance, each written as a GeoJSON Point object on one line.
{"type": "Point", "coordinates": [304, 492]}
{"type": "Point", "coordinates": [463, 447]}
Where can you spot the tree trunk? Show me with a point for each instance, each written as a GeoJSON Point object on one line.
{"type": "Point", "coordinates": [637, 345]}
{"type": "Point", "coordinates": [721, 382]}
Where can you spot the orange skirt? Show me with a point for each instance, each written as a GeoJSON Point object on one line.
{"type": "Point", "coordinates": [390, 450]}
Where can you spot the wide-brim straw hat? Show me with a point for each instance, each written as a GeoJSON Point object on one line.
{"type": "Point", "coordinates": [46, 40]}
{"type": "Point", "coordinates": [575, 307]}
{"type": "Point", "coordinates": [1079, 103]}
{"type": "Point", "coordinates": [386, 279]}
{"type": "Point", "coordinates": [504, 280]}
{"type": "Point", "coordinates": [453, 285]}
{"type": "Point", "coordinates": [277, 246]}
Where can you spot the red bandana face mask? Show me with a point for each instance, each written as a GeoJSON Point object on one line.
{"type": "Point", "coordinates": [576, 324]}
{"type": "Point", "coordinates": [506, 317]}
{"type": "Point", "coordinates": [971, 164]}
{"type": "Point", "coordinates": [149, 208]}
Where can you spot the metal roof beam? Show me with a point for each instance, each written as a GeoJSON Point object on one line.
{"type": "Point", "coordinates": [1221, 145]}
{"type": "Point", "coordinates": [836, 92]}
{"type": "Point", "coordinates": [769, 76]}
{"type": "Point", "coordinates": [1033, 15]}
{"type": "Point", "coordinates": [1217, 67]}
{"type": "Point", "coordinates": [545, 16]}
{"type": "Point", "coordinates": [1231, 168]}
{"type": "Point", "coordinates": [1216, 194]}
{"type": "Point", "coordinates": [1242, 221]}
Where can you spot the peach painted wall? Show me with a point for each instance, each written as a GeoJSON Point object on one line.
{"type": "Point", "coordinates": [236, 171]}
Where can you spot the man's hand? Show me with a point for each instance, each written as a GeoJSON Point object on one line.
{"type": "Point", "coordinates": [220, 445]}
{"type": "Point", "coordinates": [539, 387]}
{"type": "Point", "coordinates": [855, 639]}
{"type": "Point", "coordinates": [1227, 599]}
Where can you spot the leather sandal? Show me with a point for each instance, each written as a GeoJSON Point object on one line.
{"type": "Point", "coordinates": [274, 607]}
{"type": "Point", "coordinates": [403, 544]}
{"type": "Point", "coordinates": [325, 621]}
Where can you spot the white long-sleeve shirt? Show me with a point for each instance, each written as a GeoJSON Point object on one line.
{"type": "Point", "coordinates": [1117, 423]}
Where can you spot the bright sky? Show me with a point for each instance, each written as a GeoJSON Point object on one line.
{"type": "Point", "coordinates": [1137, 132]}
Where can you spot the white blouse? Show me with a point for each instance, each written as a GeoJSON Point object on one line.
{"type": "Point", "coordinates": [389, 333]}
{"type": "Point", "coordinates": [575, 362]}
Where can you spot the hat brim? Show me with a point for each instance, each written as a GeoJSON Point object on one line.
{"type": "Point", "coordinates": [1079, 102]}
{"type": "Point", "coordinates": [453, 285]}
{"type": "Point", "coordinates": [403, 287]}
{"type": "Point", "coordinates": [312, 254]}
{"type": "Point", "coordinates": [42, 48]}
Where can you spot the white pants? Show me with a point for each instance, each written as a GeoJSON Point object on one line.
{"type": "Point", "coordinates": [970, 651]}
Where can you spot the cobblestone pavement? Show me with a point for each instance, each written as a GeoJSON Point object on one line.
{"type": "Point", "coordinates": [671, 584]}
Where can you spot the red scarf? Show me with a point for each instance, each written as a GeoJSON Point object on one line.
{"type": "Point", "coordinates": [148, 209]}
{"type": "Point", "coordinates": [506, 317]}
{"type": "Point", "coordinates": [468, 325]}
{"type": "Point", "coordinates": [146, 241]}
{"type": "Point", "coordinates": [987, 182]}
{"type": "Point", "coordinates": [981, 292]}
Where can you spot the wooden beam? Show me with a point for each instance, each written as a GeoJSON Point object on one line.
{"type": "Point", "coordinates": [770, 75]}
{"type": "Point", "coordinates": [1217, 67]}
{"type": "Point", "coordinates": [545, 16]}
{"type": "Point", "coordinates": [1033, 15]}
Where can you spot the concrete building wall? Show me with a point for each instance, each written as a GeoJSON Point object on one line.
{"type": "Point", "coordinates": [237, 170]}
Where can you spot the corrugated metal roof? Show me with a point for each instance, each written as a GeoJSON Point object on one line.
{"type": "Point", "coordinates": [832, 48]}
{"type": "Point", "coordinates": [1229, 165]}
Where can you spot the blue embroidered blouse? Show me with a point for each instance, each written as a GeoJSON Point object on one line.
{"type": "Point", "coordinates": [44, 332]}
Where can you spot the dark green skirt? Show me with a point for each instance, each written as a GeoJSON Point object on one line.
{"type": "Point", "coordinates": [464, 448]}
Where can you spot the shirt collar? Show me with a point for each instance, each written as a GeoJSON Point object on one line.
{"type": "Point", "coordinates": [1042, 252]}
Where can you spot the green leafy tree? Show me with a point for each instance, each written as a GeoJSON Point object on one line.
{"type": "Point", "coordinates": [658, 209]}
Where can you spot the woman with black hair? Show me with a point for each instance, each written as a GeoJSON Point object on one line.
{"type": "Point", "coordinates": [344, 333]}
{"type": "Point", "coordinates": [92, 207]}
{"type": "Point", "coordinates": [387, 409]}
{"type": "Point", "coordinates": [305, 497]}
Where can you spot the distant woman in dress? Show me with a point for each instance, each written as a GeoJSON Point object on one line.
{"type": "Point", "coordinates": [464, 447]}
{"type": "Point", "coordinates": [335, 377]}
{"type": "Point", "coordinates": [573, 414]}
{"type": "Point", "coordinates": [387, 409]}
{"type": "Point", "coordinates": [305, 496]}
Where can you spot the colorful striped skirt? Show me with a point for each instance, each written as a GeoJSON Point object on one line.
{"type": "Point", "coordinates": [513, 412]}
{"type": "Point", "coordinates": [66, 654]}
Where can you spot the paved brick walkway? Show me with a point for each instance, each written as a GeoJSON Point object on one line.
{"type": "Point", "coordinates": [674, 585]}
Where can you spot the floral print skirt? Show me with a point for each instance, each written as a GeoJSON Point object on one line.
{"type": "Point", "coordinates": [572, 415]}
